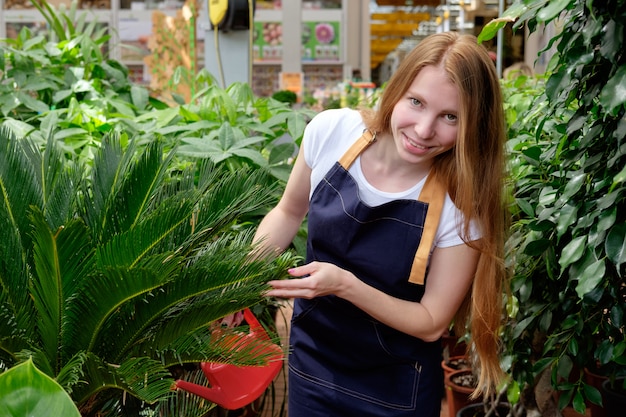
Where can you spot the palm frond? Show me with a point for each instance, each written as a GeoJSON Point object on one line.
{"type": "Point", "coordinates": [185, 404]}
{"type": "Point", "coordinates": [137, 186]}
{"type": "Point", "coordinates": [47, 291]}
{"type": "Point", "coordinates": [106, 293]}
{"type": "Point", "coordinates": [18, 187]}
{"type": "Point", "coordinates": [219, 282]}
{"type": "Point", "coordinates": [57, 180]}
{"type": "Point", "coordinates": [99, 191]}
{"type": "Point", "coordinates": [143, 378]}
{"type": "Point", "coordinates": [72, 372]}
{"type": "Point", "coordinates": [151, 235]}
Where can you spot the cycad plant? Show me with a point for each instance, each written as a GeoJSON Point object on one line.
{"type": "Point", "coordinates": [112, 273]}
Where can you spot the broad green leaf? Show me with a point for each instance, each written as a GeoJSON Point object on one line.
{"type": "Point", "coordinates": [619, 178]}
{"type": "Point", "coordinates": [26, 391]}
{"type": "Point", "coordinates": [613, 95]}
{"type": "Point", "coordinates": [612, 40]}
{"type": "Point", "coordinates": [32, 103]}
{"type": "Point", "coordinates": [567, 217]}
{"type": "Point", "coordinates": [590, 278]}
{"type": "Point", "coordinates": [140, 97]}
{"type": "Point", "coordinates": [491, 29]}
{"type": "Point", "coordinates": [579, 403]}
{"type": "Point", "coordinates": [552, 10]}
{"type": "Point", "coordinates": [565, 366]}
{"type": "Point", "coordinates": [592, 394]}
{"type": "Point", "coordinates": [615, 244]}
{"type": "Point", "coordinates": [573, 251]}
{"type": "Point", "coordinates": [281, 153]}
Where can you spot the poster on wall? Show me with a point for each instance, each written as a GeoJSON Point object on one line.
{"type": "Point", "coordinates": [267, 41]}
{"type": "Point", "coordinates": [320, 41]}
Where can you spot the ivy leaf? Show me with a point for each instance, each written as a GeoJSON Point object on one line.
{"type": "Point", "coordinates": [613, 95]}
{"type": "Point", "coordinates": [590, 278]}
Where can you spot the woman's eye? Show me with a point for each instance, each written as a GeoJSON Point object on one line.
{"type": "Point", "coordinates": [451, 117]}
{"type": "Point", "coordinates": [415, 102]}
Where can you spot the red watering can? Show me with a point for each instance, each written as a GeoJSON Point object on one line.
{"type": "Point", "coordinates": [231, 386]}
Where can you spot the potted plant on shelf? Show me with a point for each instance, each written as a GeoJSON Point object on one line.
{"type": "Point", "coordinates": [567, 247]}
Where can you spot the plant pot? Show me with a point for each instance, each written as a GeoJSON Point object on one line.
{"type": "Point", "coordinates": [459, 386]}
{"type": "Point", "coordinates": [614, 397]}
{"type": "Point", "coordinates": [455, 363]}
{"type": "Point", "coordinates": [478, 410]}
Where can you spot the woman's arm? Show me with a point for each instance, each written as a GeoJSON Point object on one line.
{"type": "Point", "coordinates": [280, 225]}
{"type": "Point", "coordinates": [449, 278]}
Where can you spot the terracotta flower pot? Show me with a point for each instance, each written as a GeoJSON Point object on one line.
{"type": "Point", "coordinates": [455, 363]}
{"type": "Point", "coordinates": [459, 386]}
{"type": "Point", "coordinates": [478, 410]}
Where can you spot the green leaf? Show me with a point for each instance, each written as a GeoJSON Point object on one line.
{"type": "Point", "coordinates": [491, 29]}
{"type": "Point", "coordinates": [612, 40]}
{"type": "Point", "coordinates": [281, 153]}
{"type": "Point", "coordinates": [573, 251]}
{"type": "Point", "coordinates": [579, 403]}
{"type": "Point", "coordinates": [613, 95]}
{"type": "Point", "coordinates": [590, 278]}
{"type": "Point", "coordinates": [615, 244]}
{"type": "Point", "coordinates": [565, 366]}
{"type": "Point", "coordinates": [592, 394]}
{"type": "Point", "coordinates": [552, 10]}
{"type": "Point", "coordinates": [619, 178]}
{"type": "Point", "coordinates": [26, 391]}
{"type": "Point", "coordinates": [567, 217]}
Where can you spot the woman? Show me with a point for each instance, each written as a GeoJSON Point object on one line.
{"type": "Point", "coordinates": [372, 302]}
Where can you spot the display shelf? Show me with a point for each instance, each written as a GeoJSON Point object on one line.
{"type": "Point", "coordinates": [130, 24]}
{"type": "Point", "coordinates": [266, 80]}
{"type": "Point", "coordinates": [321, 55]}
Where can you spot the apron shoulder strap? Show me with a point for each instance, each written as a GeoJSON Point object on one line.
{"type": "Point", "coordinates": [355, 150]}
{"type": "Point", "coordinates": [433, 194]}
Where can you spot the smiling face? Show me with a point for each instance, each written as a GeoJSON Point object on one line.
{"type": "Point", "coordinates": [424, 122]}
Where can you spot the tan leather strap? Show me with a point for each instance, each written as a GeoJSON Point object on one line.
{"type": "Point", "coordinates": [434, 194]}
{"type": "Point", "coordinates": [359, 146]}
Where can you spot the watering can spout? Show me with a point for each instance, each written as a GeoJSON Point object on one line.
{"type": "Point", "coordinates": [213, 394]}
{"type": "Point", "coordinates": [234, 387]}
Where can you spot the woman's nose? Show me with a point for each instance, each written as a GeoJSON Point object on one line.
{"type": "Point", "coordinates": [425, 127]}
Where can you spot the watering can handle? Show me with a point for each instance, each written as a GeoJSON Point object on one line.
{"type": "Point", "coordinates": [255, 326]}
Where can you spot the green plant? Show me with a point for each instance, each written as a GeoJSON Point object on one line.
{"type": "Point", "coordinates": [567, 248]}
{"type": "Point", "coordinates": [285, 96]}
{"type": "Point", "coordinates": [111, 275]}
{"type": "Point", "coordinates": [40, 395]}
{"type": "Point", "coordinates": [64, 85]}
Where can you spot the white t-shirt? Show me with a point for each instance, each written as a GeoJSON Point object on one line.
{"type": "Point", "coordinates": [331, 133]}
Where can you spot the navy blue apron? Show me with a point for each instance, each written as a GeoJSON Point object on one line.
{"type": "Point", "coordinates": [344, 362]}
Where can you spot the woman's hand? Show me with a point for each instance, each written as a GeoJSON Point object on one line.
{"type": "Point", "coordinates": [314, 280]}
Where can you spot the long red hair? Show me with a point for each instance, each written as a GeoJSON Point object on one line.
{"type": "Point", "coordinates": [474, 172]}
